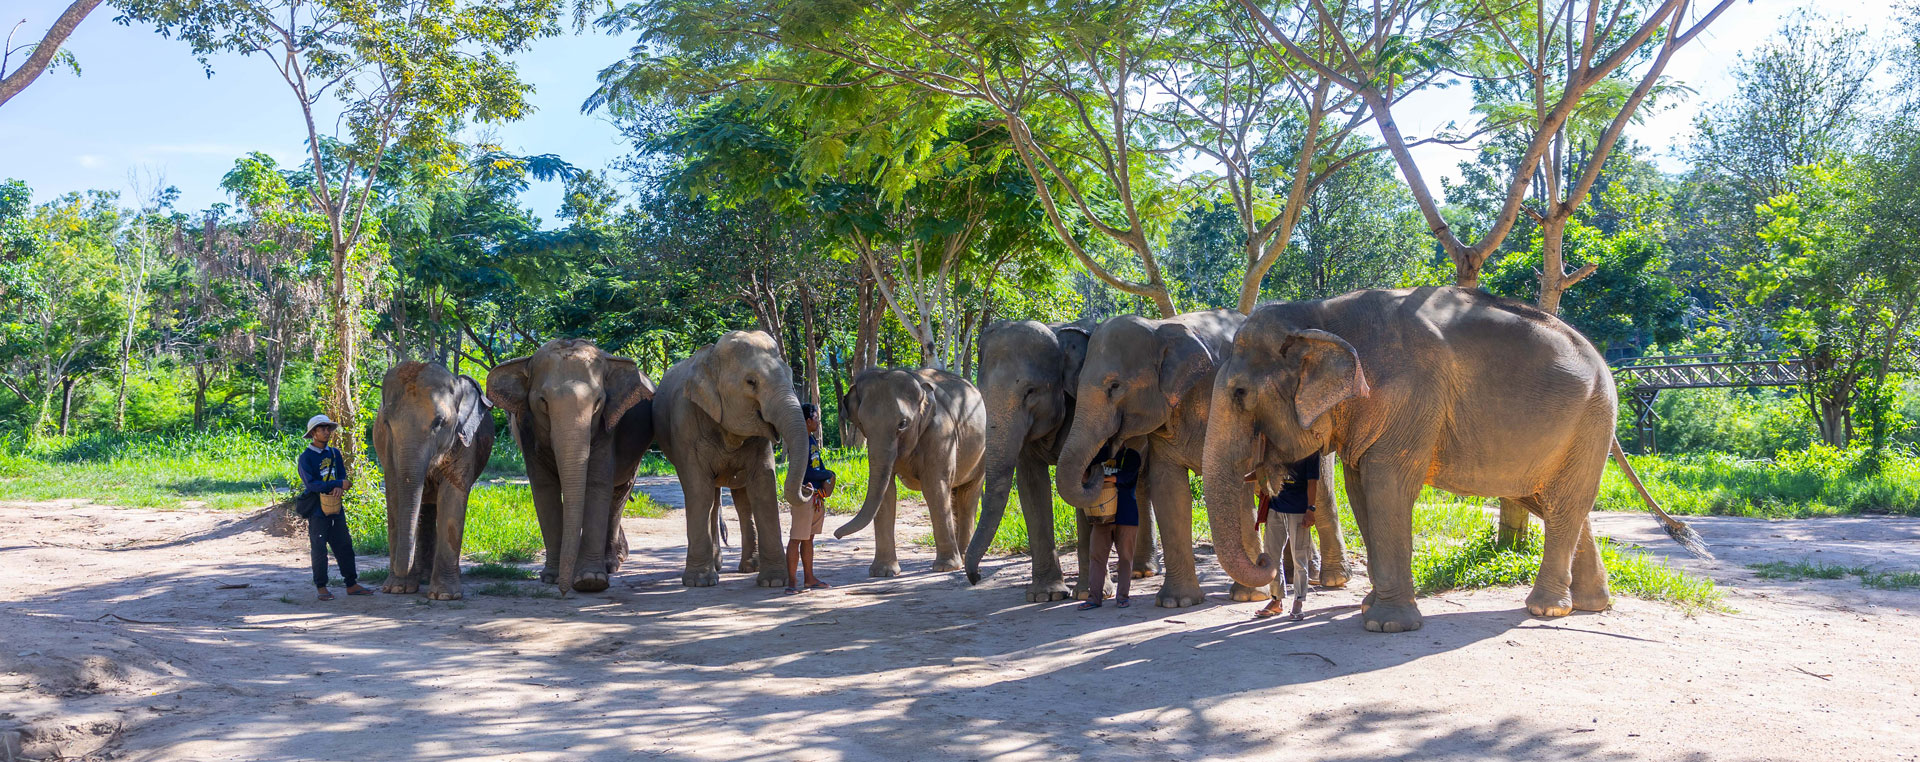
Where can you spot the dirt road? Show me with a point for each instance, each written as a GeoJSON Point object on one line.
{"type": "Point", "coordinates": [119, 639]}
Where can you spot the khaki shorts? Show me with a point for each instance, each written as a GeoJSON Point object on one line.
{"type": "Point", "coordinates": [808, 520]}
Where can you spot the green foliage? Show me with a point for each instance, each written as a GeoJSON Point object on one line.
{"type": "Point", "coordinates": [1809, 569]}
{"type": "Point", "coordinates": [1478, 560]}
{"type": "Point", "coordinates": [491, 570]}
{"type": "Point", "coordinates": [1818, 481]}
{"type": "Point", "coordinates": [225, 470]}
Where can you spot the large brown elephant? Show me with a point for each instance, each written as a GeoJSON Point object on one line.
{"type": "Point", "coordinates": [716, 418]}
{"type": "Point", "coordinates": [1029, 372]}
{"type": "Point", "coordinates": [929, 428]}
{"type": "Point", "coordinates": [1455, 388]}
{"type": "Point", "coordinates": [433, 435]}
{"type": "Point", "coordinates": [1145, 384]}
{"type": "Point", "coordinates": [583, 422]}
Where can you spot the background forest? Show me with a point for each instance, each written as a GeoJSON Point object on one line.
{"type": "Point", "coordinates": [876, 193]}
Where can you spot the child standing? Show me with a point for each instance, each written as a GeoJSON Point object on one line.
{"type": "Point", "coordinates": [811, 519]}
{"type": "Point", "coordinates": [323, 476]}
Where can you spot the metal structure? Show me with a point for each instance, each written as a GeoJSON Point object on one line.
{"type": "Point", "coordinates": [1646, 377]}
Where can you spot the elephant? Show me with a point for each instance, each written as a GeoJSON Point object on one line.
{"type": "Point", "coordinates": [433, 435]}
{"type": "Point", "coordinates": [929, 428]}
{"type": "Point", "coordinates": [1028, 375]}
{"type": "Point", "coordinates": [1455, 388]}
{"type": "Point", "coordinates": [716, 418]}
{"type": "Point", "coordinates": [1145, 383]}
{"type": "Point", "coordinates": [583, 419]}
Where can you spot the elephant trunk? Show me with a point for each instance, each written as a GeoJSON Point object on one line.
{"type": "Point", "coordinates": [881, 451]}
{"type": "Point", "coordinates": [1005, 439]}
{"type": "Point", "coordinates": [573, 446]}
{"type": "Point", "coordinates": [1227, 459]}
{"type": "Point", "coordinates": [403, 490]}
{"type": "Point", "coordinates": [1082, 445]}
{"type": "Point", "coordinates": [785, 416]}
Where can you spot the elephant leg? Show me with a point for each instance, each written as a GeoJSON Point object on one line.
{"type": "Point", "coordinates": [763, 506]}
{"type": "Point", "coordinates": [1083, 534]}
{"type": "Point", "coordinates": [451, 524]}
{"type": "Point", "coordinates": [966, 499]}
{"type": "Point", "coordinates": [1356, 501]}
{"type": "Point", "coordinates": [1036, 508]}
{"type": "Point", "coordinates": [596, 537]}
{"type": "Point", "coordinates": [1144, 564]}
{"type": "Point", "coordinates": [703, 548]}
{"type": "Point", "coordinates": [1390, 490]}
{"type": "Point", "coordinates": [1172, 502]}
{"type": "Point", "coordinates": [402, 571]}
{"type": "Point", "coordinates": [1326, 524]}
{"type": "Point", "coordinates": [750, 544]}
{"type": "Point", "coordinates": [426, 537]}
{"type": "Point", "coordinates": [616, 553]}
{"type": "Point", "coordinates": [886, 558]}
{"type": "Point", "coordinates": [946, 548]}
{"type": "Point", "coordinates": [547, 509]}
{"type": "Point", "coordinates": [1566, 534]}
{"type": "Point", "coordinates": [1589, 573]}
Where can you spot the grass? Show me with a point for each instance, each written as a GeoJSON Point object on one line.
{"type": "Point", "coordinates": [228, 470]}
{"type": "Point", "coordinates": [1819, 481]}
{"type": "Point", "coordinates": [492, 570]}
{"type": "Point", "coordinates": [1806, 569]}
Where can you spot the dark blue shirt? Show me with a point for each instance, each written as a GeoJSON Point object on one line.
{"type": "Point", "coordinates": [817, 472]}
{"type": "Point", "coordinates": [1125, 472]}
{"type": "Point", "coordinates": [1293, 496]}
{"type": "Point", "coordinates": [321, 470]}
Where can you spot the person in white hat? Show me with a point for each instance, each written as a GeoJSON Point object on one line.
{"type": "Point", "coordinates": [324, 477]}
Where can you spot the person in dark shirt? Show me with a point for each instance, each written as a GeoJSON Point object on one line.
{"type": "Point", "coordinates": [323, 479]}
{"type": "Point", "coordinates": [1286, 506]}
{"type": "Point", "coordinates": [1119, 534]}
{"type": "Point", "coordinates": [811, 519]}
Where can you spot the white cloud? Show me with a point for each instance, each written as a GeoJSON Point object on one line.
{"type": "Point", "coordinates": [92, 161]}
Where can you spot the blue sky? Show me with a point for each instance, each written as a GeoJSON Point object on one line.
{"type": "Point", "coordinates": [144, 104]}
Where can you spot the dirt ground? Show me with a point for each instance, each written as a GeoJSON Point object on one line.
{"type": "Point", "coordinates": [192, 635]}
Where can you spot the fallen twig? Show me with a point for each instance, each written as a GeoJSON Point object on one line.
{"type": "Point", "coordinates": [1314, 655]}
{"type": "Point", "coordinates": [1815, 674]}
{"type": "Point", "coordinates": [232, 585]}
{"type": "Point", "coordinates": [135, 621]}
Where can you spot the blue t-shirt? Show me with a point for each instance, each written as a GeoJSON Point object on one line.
{"type": "Point", "coordinates": [1293, 496]}
{"type": "Point", "coordinates": [321, 470]}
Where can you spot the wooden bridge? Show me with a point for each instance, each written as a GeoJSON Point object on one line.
{"type": "Point", "coordinates": [1646, 377]}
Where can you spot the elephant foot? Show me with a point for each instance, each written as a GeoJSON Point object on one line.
{"type": "Point", "coordinates": [1334, 576]}
{"type": "Point", "coordinates": [947, 564]}
{"type": "Point", "coordinates": [1142, 572]}
{"type": "Point", "coordinates": [1179, 596]}
{"type": "Point", "coordinates": [747, 566]}
{"type": "Point", "coordinates": [1367, 602]}
{"type": "Point", "coordinates": [1080, 592]}
{"type": "Point", "coordinates": [440, 594]}
{"type": "Point", "coordinates": [399, 586]}
{"type": "Point", "coordinates": [699, 578]}
{"type": "Point", "coordinates": [591, 582]}
{"type": "Point", "coordinates": [549, 577]}
{"type": "Point", "coordinates": [1243, 593]}
{"type": "Point", "coordinates": [613, 565]}
{"type": "Point", "coordinates": [887, 568]}
{"type": "Point", "coordinates": [1546, 603]}
{"type": "Point", "coordinates": [772, 578]}
{"type": "Point", "coordinates": [1392, 617]}
{"type": "Point", "coordinates": [1600, 601]}
{"type": "Point", "coordinates": [1044, 592]}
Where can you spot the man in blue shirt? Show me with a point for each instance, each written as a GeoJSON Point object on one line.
{"type": "Point", "coordinates": [1117, 532]}
{"type": "Point", "coordinates": [1286, 506]}
{"type": "Point", "coordinates": [323, 477]}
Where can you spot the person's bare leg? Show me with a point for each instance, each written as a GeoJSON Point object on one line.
{"type": "Point", "coordinates": [793, 563]}
{"type": "Point", "coordinates": [1124, 538]}
{"type": "Point", "coordinates": [812, 581]}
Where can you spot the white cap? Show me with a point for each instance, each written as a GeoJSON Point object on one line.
{"type": "Point", "coordinates": [318, 421]}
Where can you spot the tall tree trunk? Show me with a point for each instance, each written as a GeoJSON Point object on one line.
{"type": "Point", "coordinates": [850, 435]}
{"type": "Point", "coordinates": [66, 403]}
{"type": "Point", "coordinates": [343, 401]}
{"type": "Point", "coordinates": [200, 382]}
{"type": "Point", "coordinates": [812, 340]}
{"type": "Point", "coordinates": [276, 371]}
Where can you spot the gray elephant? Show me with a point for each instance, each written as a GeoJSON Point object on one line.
{"type": "Point", "coordinates": [1455, 388]}
{"type": "Point", "coordinates": [1028, 375]}
{"type": "Point", "coordinates": [433, 435]}
{"type": "Point", "coordinates": [583, 422]}
{"type": "Point", "coordinates": [929, 428]}
{"type": "Point", "coordinates": [716, 418]}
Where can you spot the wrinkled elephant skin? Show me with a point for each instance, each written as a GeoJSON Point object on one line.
{"type": "Point", "coordinates": [433, 435]}
{"type": "Point", "coordinates": [928, 428]}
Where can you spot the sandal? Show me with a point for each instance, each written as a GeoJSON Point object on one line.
{"type": "Point", "coordinates": [358, 590]}
{"type": "Point", "coordinates": [791, 590]}
{"type": "Point", "coordinates": [325, 594]}
{"type": "Point", "coordinates": [1089, 604]}
{"type": "Point", "coordinates": [818, 586]}
{"type": "Point", "coordinates": [1122, 602]}
{"type": "Point", "coordinates": [1267, 612]}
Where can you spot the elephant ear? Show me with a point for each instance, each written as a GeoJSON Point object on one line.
{"type": "Point", "coordinates": [507, 386]}
{"type": "Point", "coordinates": [626, 386]}
{"type": "Point", "coordinates": [473, 407]}
{"type": "Point", "coordinates": [704, 388]}
{"type": "Point", "coordinates": [1184, 360]}
{"type": "Point", "coordinates": [1330, 373]}
{"type": "Point", "coordinates": [1073, 354]}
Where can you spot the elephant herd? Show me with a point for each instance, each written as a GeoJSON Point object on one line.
{"type": "Point", "coordinates": [1447, 387]}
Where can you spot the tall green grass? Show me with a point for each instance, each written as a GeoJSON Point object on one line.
{"type": "Point", "coordinates": [220, 469]}
{"type": "Point", "coordinates": [1818, 481]}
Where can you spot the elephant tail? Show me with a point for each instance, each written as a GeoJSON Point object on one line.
{"type": "Point", "coordinates": [720, 524]}
{"type": "Point", "coordinates": [1676, 529]}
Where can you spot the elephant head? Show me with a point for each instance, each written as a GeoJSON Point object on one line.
{"type": "Point", "coordinates": [893, 407]}
{"type": "Point", "coordinates": [1028, 375]}
{"type": "Point", "coordinates": [568, 397]}
{"type": "Point", "coordinates": [1136, 374]}
{"type": "Point", "coordinates": [425, 412]}
{"type": "Point", "coordinates": [744, 385]}
{"type": "Point", "coordinates": [1272, 404]}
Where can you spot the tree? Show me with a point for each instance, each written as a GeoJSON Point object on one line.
{"type": "Point", "coordinates": [136, 256]}
{"type": "Point", "coordinates": [407, 73]}
{"type": "Point", "coordinates": [42, 55]}
{"type": "Point", "coordinates": [63, 286]}
{"type": "Point", "coordinates": [271, 256]}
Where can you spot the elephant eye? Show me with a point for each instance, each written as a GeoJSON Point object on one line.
{"type": "Point", "coordinates": [439, 421]}
{"type": "Point", "coordinates": [753, 383]}
{"type": "Point", "coordinates": [903, 425]}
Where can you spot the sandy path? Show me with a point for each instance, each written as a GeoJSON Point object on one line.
{"type": "Point", "coordinates": [115, 633]}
